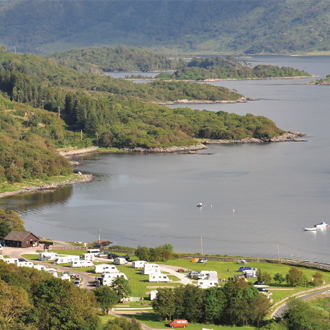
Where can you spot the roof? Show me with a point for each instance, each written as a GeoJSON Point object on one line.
{"type": "Point", "coordinates": [16, 235]}
{"type": "Point", "coordinates": [244, 268]}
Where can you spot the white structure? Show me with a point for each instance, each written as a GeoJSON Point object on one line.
{"type": "Point", "coordinates": [52, 271]}
{"type": "Point", "coordinates": [93, 251]}
{"type": "Point", "coordinates": [11, 260]}
{"type": "Point", "coordinates": [1, 257]}
{"type": "Point", "coordinates": [66, 259]}
{"type": "Point", "coordinates": [48, 256]}
{"type": "Point", "coordinates": [105, 268]}
{"type": "Point", "coordinates": [156, 278]}
{"type": "Point", "coordinates": [205, 284]}
{"type": "Point", "coordinates": [25, 264]}
{"type": "Point", "coordinates": [153, 294]}
{"type": "Point", "coordinates": [81, 263]}
{"type": "Point", "coordinates": [151, 269]}
{"type": "Point", "coordinates": [108, 278]}
{"type": "Point", "coordinates": [39, 267]}
{"type": "Point", "coordinates": [120, 261]}
{"type": "Point", "coordinates": [139, 263]}
{"type": "Point", "coordinates": [250, 273]}
{"type": "Point", "coordinates": [207, 274]}
{"type": "Point", "coordinates": [88, 256]}
{"type": "Point", "coordinates": [65, 277]}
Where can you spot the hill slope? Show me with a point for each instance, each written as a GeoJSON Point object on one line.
{"type": "Point", "coordinates": [187, 26]}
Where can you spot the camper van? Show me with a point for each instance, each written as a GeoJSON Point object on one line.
{"type": "Point", "coordinates": [178, 324]}
{"type": "Point", "coordinates": [156, 278]}
{"type": "Point", "coordinates": [48, 256]}
{"type": "Point", "coordinates": [81, 263]}
{"type": "Point", "coordinates": [150, 269]}
{"type": "Point", "coordinates": [93, 251]}
{"type": "Point", "coordinates": [120, 261]}
{"type": "Point", "coordinates": [105, 268]}
{"type": "Point", "coordinates": [66, 259]}
{"type": "Point", "coordinates": [139, 263]}
{"type": "Point", "coordinates": [24, 264]}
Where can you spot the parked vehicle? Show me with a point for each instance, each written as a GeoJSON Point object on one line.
{"type": "Point", "coordinates": [138, 263]}
{"type": "Point", "coordinates": [24, 264]}
{"type": "Point", "coordinates": [48, 256]}
{"type": "Point", "coordinates": [105, 268]}
{"type": "Point", "coordinates": [81, 263]}
{"type": "Point", "coordinates": [88, 256]}
{"type": "Point", "coordinates": [178, 324]}
{"type": "Point", "coordinates": [108, 278]}
{"type": "Point", "coordinates": [157, 278]}
{"type": "Point", "coordinates": [69, 273]}
{"type": "Point", "coordinates": [11, 260]}
{"type": "Point", "coordinates": [113, 256]}
{"type": "Point", "coordinates": [93, 251]}
{"type": "Point", "coordinates": [151, 269]}
{"type": "Point", "coordinates": [66, 259]}
{"type": "Point", "coordinates": [120, 261]}
{"type": "Point", "coordinates": [202, 260]}
{"type": "Point", "coordinates": [76, 283]}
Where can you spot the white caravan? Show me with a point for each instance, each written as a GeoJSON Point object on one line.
{"type": "Point", "coordinates": [120, 261]}
{"type": "Point", "coordinates": [48, 256]}
{"type": "Point", "coordinates": [105, 268]}
{"type": "Point", "coordinates": [25, 264]}
{"type": "Point", "coordinates": [156, 278]}
{"type": "Point", "coordinates": [81, 263]}
{"type": "Point", "coordinates": [11, 260]}
{"type": "Point", "coordinates": [151, 269]}
{"type": "Point", "coordinates": [139, 263]}
{"type": "Point", "coordinates": [88, 256]}
{"type": "Point", "coordinates": [108, 278]}
{"type": "Point", "coordinates": [205, 284]}
{"type": "Point", "coordinates": [66, 259]}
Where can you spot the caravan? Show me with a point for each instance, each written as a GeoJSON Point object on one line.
{"type": "Point", "coordinates": [45, 256]}
{"type": "Point", "coordinates": [66, 259]}
{"type": "Point", "coordinates": [81, 263]}
{"type": "Point", "coordinates": [156, 278]}
{"type": "Point", "coordinates": [88, 256]}
{"type": "Point", "coordinates": [139, 263]}
{"type": "Point", "coordinates": [24, 264]}
{"type": "Point", "coordinates": [150, 269]}
{"type": "Point", "coordinates": [105, 268]}
{"type": "Point", "coordinates": [208, 283]}
{"type": "Point", "coordinates": [108, 278]}
{"type": "Point", "coordinates": [11, 260]}
{"type": "Point", "coordinates": [120, 261]}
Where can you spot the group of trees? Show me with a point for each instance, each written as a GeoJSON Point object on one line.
{"type": "Point", "coordinates": [9, 220]}
{"type": "Point", "coordinates": [120, 58]}
{"type": "Point", "coordinates": [221, 68]}
{"type": "Point", "coordinates": [237, 302]}
{"type": "Point", "coordinates": [295, 277]}
{"type": "Point", "coordinates": [160, 253]}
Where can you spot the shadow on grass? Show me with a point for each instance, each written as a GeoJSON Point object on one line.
{"type": "Point", "coordinates": [145, 317]}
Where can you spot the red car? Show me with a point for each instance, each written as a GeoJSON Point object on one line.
{"type": "Point", "coordinates": [178, 324]}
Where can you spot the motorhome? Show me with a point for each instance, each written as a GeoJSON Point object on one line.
{"type": "Point", "coordinates": [105, 268]}
{"type": "Point", "coordinates": [151, 269]}
{"type": "Point", "coordinates": [48, 256]}
{"type": "Point", "coordinates": [93, 251]}
{"type": "Point", "coordinates": [156, 278]}
{"type": "Point", "coordinates": [81, 263]}
{"type": "Point", "coordinates": [120, 261]}
{"type": "Point", "coordinates": [139, 263]}
{"type": "Point", "coordinates": [66, 259]}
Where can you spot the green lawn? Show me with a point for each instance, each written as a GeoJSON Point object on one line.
{"type": "Point", "coordinates": [31, 256]}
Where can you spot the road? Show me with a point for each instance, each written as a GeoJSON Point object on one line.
{"type": "Point", "coordinates": [280, 310]}
{"type": "Point", "coordinates": [87, 281]}
{"type": "Point", "coordinates": [173, 271]}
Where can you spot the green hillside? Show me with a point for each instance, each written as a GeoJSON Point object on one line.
{"type": "Point", "coordinates": [177, 27]}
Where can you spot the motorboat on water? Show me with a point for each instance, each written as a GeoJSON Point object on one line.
{"type": "Point", "coordinates": [321, 225]}
{"type": "Point", "coordinates": [199, 205]}
{"type": "Point", "coordinates": [310, 228]}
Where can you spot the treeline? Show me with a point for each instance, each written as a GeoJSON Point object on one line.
{"type": "Point", "coordinates": [160, 253]}
{"type": "Point", "coordinates": [9, 220]}
{"type": "Point", "coordinates": [120, 58]}
{"type": "Point", "coordinates": [221, 68]}
{"type": "Point", "coordinates": [325, 81]}
{"type": "Point", "coordinates": [237, 302]}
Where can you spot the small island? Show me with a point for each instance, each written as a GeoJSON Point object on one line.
{"type": "Point", "coordinates": [325, 81]}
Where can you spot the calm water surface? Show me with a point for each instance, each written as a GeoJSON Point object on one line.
{"type": "Point", "coordinates": [254, 195]}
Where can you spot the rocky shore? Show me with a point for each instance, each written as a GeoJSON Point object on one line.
{"type": "Point", "coordinates": [48, 187]}
{"type": "Point", "coordinates": [242, 99]}
{"type": "Point", "coordinates": [290, 136]}
{"type": "Point", "coordinates": [191, 148]}
{"type": "Point", "coordinates": [75, 152]}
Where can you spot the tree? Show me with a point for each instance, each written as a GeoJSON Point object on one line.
{"type": "Point", "coordinates": [301, 315]}
{"type": "Point", "coordinates": [295, 277]}
{"type": "Point", "coordinates": [121, 323]}
{"type": "Point", "coordinates": [264, 277]}
{"type": "Point", "coordinates": [106, 297]}
{"type": "Point", "coordinates": [121, 287]}
{"type": "Point", "coordinates": [317, 279]}
{"type": "Point", "coordinates": [5, 229]}
{"type": "Point", "coordinates": [14, 220]}
{"type": "Point", "coordinates": [278, 278]}
{"type": "Point", "coordinates": [164, 304]}
{"type": "Point", "coordinates": [142, 253]}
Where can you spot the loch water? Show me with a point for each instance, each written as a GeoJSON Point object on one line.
{"type": "Point", "coordinates": [255, 196]}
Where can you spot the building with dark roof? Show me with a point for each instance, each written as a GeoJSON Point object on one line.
{"type": "Point", "coordinates": [21, 239]}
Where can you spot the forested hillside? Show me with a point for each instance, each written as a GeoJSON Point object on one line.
{"type": "Point", "coordinates": [220, 68]}
{"type": "Point", "coordinates": [187, 26]}
{"type": "Point", "coordinates": [119, 58]}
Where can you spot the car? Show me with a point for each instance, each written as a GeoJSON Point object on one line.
{"type": "Point", "coordinates": [66, 150]}
{"type": "Point", "coordinates": [21, 260]}
{"type": "Point", "coordinates": [263, 290]}
{"type": "Point", "coordinates": [76, 283]}
{"type": "Point", "coordinates": [202, 260]}
{"type": "Point", "coordinates": [258, 283]}
{"type": "Point", "coordinates": [126, 256]}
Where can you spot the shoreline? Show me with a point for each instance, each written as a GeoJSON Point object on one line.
{"type": "Point", "coordinates": [221, 79]}
{"type": "Point", "coordinates": [242, 99]}
{"type": "Point", "coordinates": [49, 187]}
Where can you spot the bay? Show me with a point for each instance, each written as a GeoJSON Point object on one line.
{"type": "Point", "coordinates": [254, 196]}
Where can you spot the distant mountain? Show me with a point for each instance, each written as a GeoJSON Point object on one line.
{"type": "Point", "coordinates": [174, 26]}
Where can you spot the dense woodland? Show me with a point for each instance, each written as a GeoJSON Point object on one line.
{"type": "Point", "coordinates": [121, 58]}
{"type": "Point", "coordinates": [220, 68]}
{"type": "Point", "coordinates": [190, 26]}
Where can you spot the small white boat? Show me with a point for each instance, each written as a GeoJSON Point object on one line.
{"type": "Point", "coordinates": [199, 205]}
{"type": "Point", "coordinates": [310, 228]}
{"type": "Point", "coordinates": [322, 225]}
